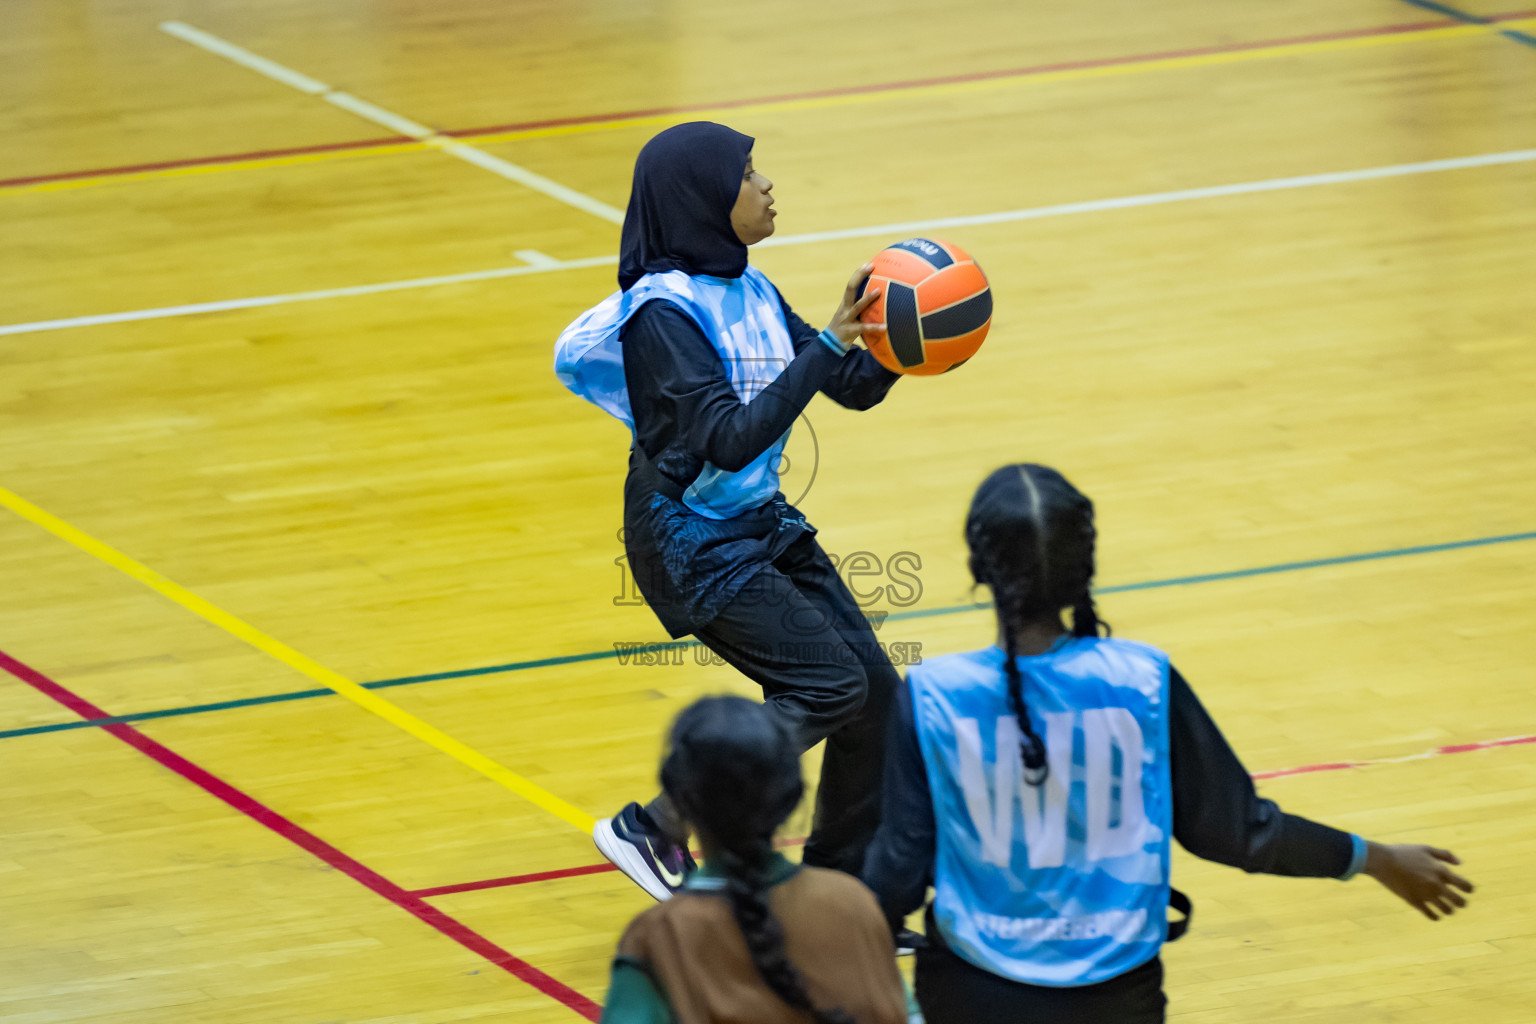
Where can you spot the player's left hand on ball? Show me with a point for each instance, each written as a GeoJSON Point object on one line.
{"type": "Point", "coordinates": [845, 322]}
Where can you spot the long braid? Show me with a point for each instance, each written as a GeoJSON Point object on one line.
{"type": "Point", "coordinates": [1031, 747]}
{"type": "Point", "coordinates": [734, 772]}
{"type": "Point", "coordinates": [1031, 538]}
{"type": "Point", "coordinates": [1012, 595]}
{"type": "Point", "coordinates": [746, 882]}
{"type": "Point", "coordinates": [1085, 616]}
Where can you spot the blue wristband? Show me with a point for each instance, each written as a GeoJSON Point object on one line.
{"type": "Point", "coordinates": [833, 342]}
{"type": "Point", "coordinates": [1357, 861]}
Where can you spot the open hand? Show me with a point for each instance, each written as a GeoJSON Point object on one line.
{"type": "Point", "coordinates": [846, 324]}
{"type": "Point", "coordinates": [1420, 875]}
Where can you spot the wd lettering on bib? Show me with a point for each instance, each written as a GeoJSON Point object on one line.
{"type": "Point", "coordinates": [1064, 883]}
{"type": "Point", "coordinates": [1111, 794]}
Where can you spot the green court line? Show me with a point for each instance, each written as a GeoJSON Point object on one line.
{"type": "Point", "coordinates": [1473, 19]}
{"type": "Point", "coordinates": [915, 613]}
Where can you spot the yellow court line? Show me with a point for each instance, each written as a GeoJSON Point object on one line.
{"type": "Point", "coordinates": [940, 89]}
{"type": "Point", "coordinates": [359, 695]}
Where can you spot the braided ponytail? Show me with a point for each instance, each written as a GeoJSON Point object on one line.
{"type": "Point", "coordinates": [734, 773]}
{"type": "Point", "coordinates": [1031, 538]}
{"type": "Point", "coordinates": [1031, 747]}
{"type": "Point", "coordinates": [1085, 617]}
{"type": "Point", "coordinates": [745, 886]}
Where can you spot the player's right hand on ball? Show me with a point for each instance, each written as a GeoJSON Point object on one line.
{"type": "Point", "coordinates": [1420, 875]}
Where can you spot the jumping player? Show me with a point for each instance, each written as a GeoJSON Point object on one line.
{"type": "Point", "coordinates": [751, 936]}
{"type": "Point", "coordinates": [701, 357]}
{"type": "Point", "coordinates": [1037, 785]}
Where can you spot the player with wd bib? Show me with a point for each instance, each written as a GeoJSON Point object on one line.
{"type": "Point", "coordinates": [1037, 785]}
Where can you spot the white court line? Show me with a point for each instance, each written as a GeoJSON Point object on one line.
{"type": "Point", "coordinates": [522, 175]}
{"type": "Point", "coordinates": [1156, 198]}
{"type": "Point", "coordinates": [378, 115]}
{"type": "Point", "coordinates": [537, 259]}
{"type": "Point", "coordinates": [908, 227]}
{"type": "Point", "coordinates": [394, 122]}
{"type": "Point", "coordinates": [229, 51]}
{"type": "Point", "coordinates": [326, 293]}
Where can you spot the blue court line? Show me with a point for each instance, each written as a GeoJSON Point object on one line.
{"type": "Point", "coordinates": [916, 613]}
{"type": "Point", "coordinates": [1472, 19]}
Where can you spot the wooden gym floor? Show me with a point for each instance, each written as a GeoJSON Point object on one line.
{"type": "Point", "coordinates": [281, 284]}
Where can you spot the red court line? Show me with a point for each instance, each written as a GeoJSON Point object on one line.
{"type": "Point", "coordinates": [252, 808]}
{"type": "Point", "coordinates": [1462, 748]}
{"type": "Point", "coordinates": [1308, 769]}
{"type": "Point", "coordinates": [545, 876]}
{"type": "Point", "coordinates": [981, 76]}
{"type": "Point", "coordinates": [202, 161]}
{"type": "Point", "coordinates": [1331, 766]}
{"type": "Point", "coordinates": [497, 883]}
{"type": "Point", "coordinates": [561, 122]}
{"type": "Point", "coordinates": [1454, 748]}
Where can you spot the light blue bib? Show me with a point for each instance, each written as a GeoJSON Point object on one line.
{"type": "Point", "coordinates": [1065, 883]}
{"type": "Point", "coordinates": [741, 317]}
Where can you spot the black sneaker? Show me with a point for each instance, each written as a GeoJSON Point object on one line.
{"type": "Point", "coordinates": [649, 858]}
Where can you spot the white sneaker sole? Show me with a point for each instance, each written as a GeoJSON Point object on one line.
{"type": "Point", "coordinates": [627, 859]}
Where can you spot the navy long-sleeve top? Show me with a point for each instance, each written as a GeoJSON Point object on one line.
{"type": "Point", "coordinates": [687, 413]}
{"type": "Point", "coordinates": [1217, 814]}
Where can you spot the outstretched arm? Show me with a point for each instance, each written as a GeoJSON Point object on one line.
{"type": "Point", "coordinates": [1217, 815]}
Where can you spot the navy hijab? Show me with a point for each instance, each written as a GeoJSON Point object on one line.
{"type": "Point", "coordinates": [679, 217]}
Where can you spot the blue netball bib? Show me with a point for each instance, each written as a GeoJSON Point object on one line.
{"type": "Point", "coordinates": [1065, 883]}
{"type": "Point", "coordinates": [744, 320]}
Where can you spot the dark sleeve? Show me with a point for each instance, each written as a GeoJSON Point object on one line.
{"type": "Point", "coordinates": [899, 864]}
{"type": "Point", "coordinates": [859, 382]}
{"type": "Point", "coordinates": [634, 996]}
{"type": "Point", "coordinates": [1218, 816]}
{"type": "Point", "coordinates": [679, 391]}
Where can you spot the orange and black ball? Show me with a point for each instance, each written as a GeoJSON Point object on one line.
{"type": "Point", "coordinates": [935, 303]}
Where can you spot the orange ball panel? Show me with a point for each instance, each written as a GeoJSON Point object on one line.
{"type": "Point", "coordinates": [874, 313]}
{"type": "Point", "coordinates": [949, 286]}
{"type": "Point", "coordinates": [881, 350]}
{"type": "Point", "coordinates": [878, 343]}
{"type": "Point", "coordinates": [955, 350]}
{"type": "Point", "coordinates": [901, 265]}
{"type": "Point", "coordinates": [928, 369]}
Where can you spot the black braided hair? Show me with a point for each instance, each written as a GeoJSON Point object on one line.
{"type": "Point", "coordinates": [1031, 538]}
{"type": "Point", "coordinates": [734, 773]}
